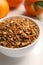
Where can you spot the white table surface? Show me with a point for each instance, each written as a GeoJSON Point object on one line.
{"type": "Point", "coordinates": [35, 57]}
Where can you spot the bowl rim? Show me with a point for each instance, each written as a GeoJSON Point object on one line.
{"type": "Point", "coordinates": [27, 45]}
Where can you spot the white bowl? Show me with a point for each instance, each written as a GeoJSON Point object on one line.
{"type": "Point", "coordinates": [19, 52]}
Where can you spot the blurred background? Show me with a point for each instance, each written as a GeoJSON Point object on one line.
{"type": "Point", "coordinates": [31, 8]}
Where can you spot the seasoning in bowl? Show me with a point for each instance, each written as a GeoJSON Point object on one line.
{"type": "Point", "coordinates": [18, 32]}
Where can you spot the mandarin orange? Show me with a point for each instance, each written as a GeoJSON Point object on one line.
{"type": "Point", "coordinates": [4, 8]}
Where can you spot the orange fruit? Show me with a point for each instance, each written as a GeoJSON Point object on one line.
{"type": "Point", "coordinates": [14, 3]}
{"type": "Point", "coordinates": [34, 7]}
{"type": "Point", "coordinates": [4, 8]}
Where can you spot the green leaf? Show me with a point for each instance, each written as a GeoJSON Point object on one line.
{"type": "Point", "coordinates": [33, 7]}
{"type": "Point", "coordinates": [39, 4]}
